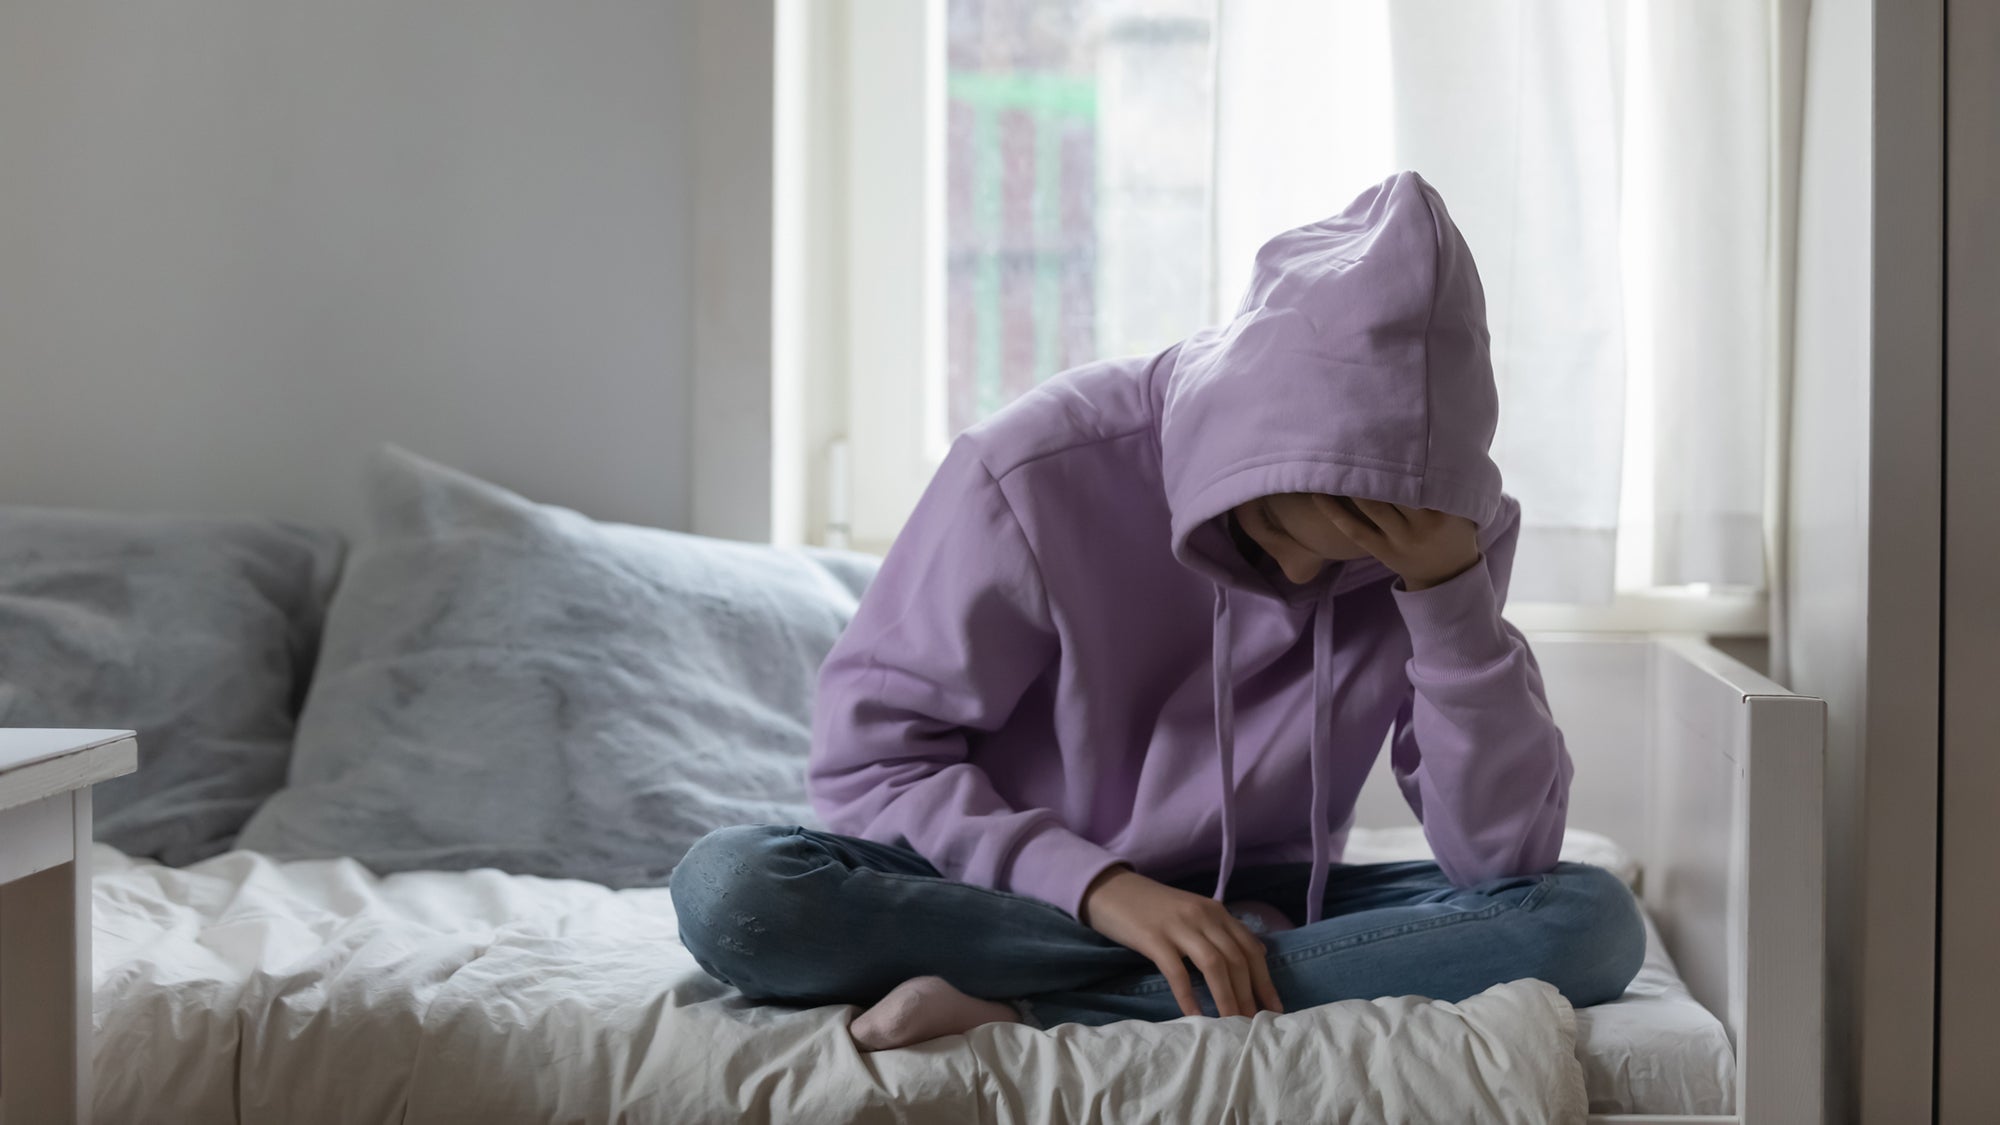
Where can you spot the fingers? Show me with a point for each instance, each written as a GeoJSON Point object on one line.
{"type": "Point", "coordinates": [1349, 520]}
{"type": "Point", "coordinates": [1230, 959]}
{"type": "Point", "coordinates": [1267, 989]}
{"type": "Point", "coordinates": [1390, 518]}
{"type": "Point", "coordinates": [1237, 960]}
{"type": "Point", "coordinates": [1215, 969]}
{"type": "Point", "coordinates": [1260, 971]}
{"type": "Point", "coordinates": [1428, 521]}
{"type": "Point", "coordinates": [1353, 511]}
{"type": "Point", "coordinates": [1168, 961]}
{"type": "Point", "coordinates": [1218, 959]}
{"type": "Point", "coordinates": [1235, 973]}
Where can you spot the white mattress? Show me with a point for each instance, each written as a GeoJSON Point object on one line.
{"type": "Point", "coordinates": [242, 989]}
{"type": "Point", "coordinates": [1654, 1049]}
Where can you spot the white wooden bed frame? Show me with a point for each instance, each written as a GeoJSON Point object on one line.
{"type": "Point", "coordinates": [1712, 775]}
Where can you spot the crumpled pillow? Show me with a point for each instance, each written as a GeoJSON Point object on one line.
{"type": "Point", "coordinates": [196, 632]}
{"type": "Point", "coordinates": [514, 685]}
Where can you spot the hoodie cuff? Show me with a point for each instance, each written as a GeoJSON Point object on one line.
{"type": "Point", "coordinates": [1057, 866]}
{"type": "Point", "coordinates": [1454, 625]}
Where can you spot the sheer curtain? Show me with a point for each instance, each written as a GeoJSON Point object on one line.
{"type": "Point", "coordinates": [1609, 165]}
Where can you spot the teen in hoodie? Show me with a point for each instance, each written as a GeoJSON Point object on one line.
{"type": "Point", "coordinates": [1106, 708]}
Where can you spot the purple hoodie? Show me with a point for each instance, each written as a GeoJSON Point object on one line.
{"type": "Point", "coordinates": [1065, 662]}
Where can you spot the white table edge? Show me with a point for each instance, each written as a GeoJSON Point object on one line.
{"type": "Point", "coordinates": [24, 746]}
{"type": "Point", "coordinates": [95, 757]}
{"type": "Point", "coordinates": [45, 926]}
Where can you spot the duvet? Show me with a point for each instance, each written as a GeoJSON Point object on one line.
{"type": "Point", "coordinates": [244, 990]}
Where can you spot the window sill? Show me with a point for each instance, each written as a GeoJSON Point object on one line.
{"type": "Point", "coordinates": [1663, 610]}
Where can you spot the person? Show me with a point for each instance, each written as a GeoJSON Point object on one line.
{"type": "Point", "coordinates": [1090, 747]}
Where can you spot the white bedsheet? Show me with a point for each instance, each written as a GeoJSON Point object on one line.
{"type": "Point", "coordinates": [1654, 1049]}
{"type": "Point", "coordinates": [240, 989]}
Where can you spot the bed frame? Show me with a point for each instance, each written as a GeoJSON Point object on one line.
{"type": "Point", "coordinates": [1713, 776]}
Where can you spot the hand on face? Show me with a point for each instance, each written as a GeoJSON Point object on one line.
{"type": "Point", "coordinates": [1303, 531]}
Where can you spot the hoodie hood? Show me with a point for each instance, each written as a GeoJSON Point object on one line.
{"type": "Point", "coordinates": [1357, 365]}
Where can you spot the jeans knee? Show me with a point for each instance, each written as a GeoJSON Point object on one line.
{"type": "Point", "coordinates": [729, 900]}
{"type": "Point", "coordinates": [1597, 941]}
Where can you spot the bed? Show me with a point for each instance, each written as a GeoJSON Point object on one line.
{"type": "Point", "coordinates": [314, 990]}
{"type": "Point", "coordinates": [1712, 777]}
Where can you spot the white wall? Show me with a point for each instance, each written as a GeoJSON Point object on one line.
{"type": "Point", "coordinates": [242, 241]}
{"type": "Point", "coordinates": [1863, 523]}
{"type": "Point", "coordinates": [734, 344]}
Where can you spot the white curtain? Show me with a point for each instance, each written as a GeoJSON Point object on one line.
{"type": "Point", "coordinates": [1609, 165]}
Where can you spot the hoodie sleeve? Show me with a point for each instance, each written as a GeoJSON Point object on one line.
{"type": "Point", "coordinates": [1476, 752]}
{"type": "Point", "coordinates": [952, 632]}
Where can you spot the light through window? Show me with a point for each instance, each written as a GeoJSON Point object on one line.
{"type": "Point", "coordinates": [1078, 139]}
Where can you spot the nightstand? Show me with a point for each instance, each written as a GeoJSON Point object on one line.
{"type": "Point", "coordinates": [45, 1029]}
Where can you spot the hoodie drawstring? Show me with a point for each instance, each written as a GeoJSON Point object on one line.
{"type": "Point", "coordinates": [1321, 733]}
{"type": "Point", "coordinates": [1225, 743]}
{"type": "Point", "coordinates": [1225, 737]}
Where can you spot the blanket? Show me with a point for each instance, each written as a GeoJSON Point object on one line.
{"type": "Point", "coordinates": [241, 989]}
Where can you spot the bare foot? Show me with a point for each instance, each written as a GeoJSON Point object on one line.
{"type": "Point", "coordinates": [924, 1008]}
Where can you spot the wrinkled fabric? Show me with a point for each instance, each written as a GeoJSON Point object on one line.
{"type": "Point", "coordinates": [241, 990]}
{"type": "Point", "coordinates": [1065, 662]}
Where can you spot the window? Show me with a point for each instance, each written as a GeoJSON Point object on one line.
{"type": "Point", "coordinates": [1015, 187]}
{"type": "Point", "coordinates": [1071, 230]}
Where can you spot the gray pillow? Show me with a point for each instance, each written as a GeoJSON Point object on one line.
{"type": "Point", "coordinates": [196, 632]}
{"type": "Point", "coordinates": [509, 684]}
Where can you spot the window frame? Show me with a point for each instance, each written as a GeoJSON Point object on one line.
{"type": "Point", "coordinates": [862, 347]}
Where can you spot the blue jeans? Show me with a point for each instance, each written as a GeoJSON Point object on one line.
{"type": "Point", "coordinates": [796, 916]}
